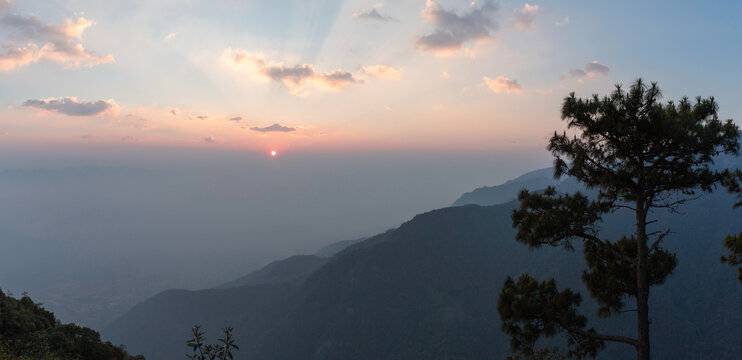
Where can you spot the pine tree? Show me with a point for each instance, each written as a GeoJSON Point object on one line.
{"type": "Point", "coordinates": [639, 155]}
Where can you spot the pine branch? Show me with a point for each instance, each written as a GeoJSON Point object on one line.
{"type": "Point", "coordinates": [603, 337]}
{"type": "Point", "coordinates": [655, 245]}
{"type": "Point", "coordinates": [596, 240]}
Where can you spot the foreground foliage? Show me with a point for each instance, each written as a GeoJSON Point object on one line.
{"type": "Point", "coordinates": [27, 331]}
{"type": "Point", "coordinates": [639, 155]}
{"type": "Point", "coordinates": [202, 351]}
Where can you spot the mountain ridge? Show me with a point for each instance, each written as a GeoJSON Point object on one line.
{"type": "Point", "coordinates": [428, 289]}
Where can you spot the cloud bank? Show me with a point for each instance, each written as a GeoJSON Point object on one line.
{"type": "Point", "coordinates": [273, 128]}
{"type": "Point", "coordinates": [30, 41]}
{"type": "Point", "coordinates": [452, 29]}
{"type": "Point", "coordinates": [70, 106]}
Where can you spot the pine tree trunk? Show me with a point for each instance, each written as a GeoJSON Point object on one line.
{"type": "Point", "coordinates": [642, 283]}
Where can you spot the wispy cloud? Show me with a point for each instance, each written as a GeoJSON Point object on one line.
{"type": "Point", "coordinates": [382, 71]}
{"type": "Point", "coordinates": [452, 29]}
{"type": "Point", "coordinates": [563, 22]}
{"type": "Point", "coordinates": [236, 118]}
{"type": "Point", "coordinates": [591, 70]}
{"type": "Point", "coordinates": [373, 14]}
{"type": "Point", "coordinates": [71, 106]}
{"type": "Point", "coordinates": [87, 136]}
{"type": "Point", "coordinates": [502, 84]}
{"type": "Point", "coordinates": [134, 121]}
{"type": "Point", "coordinates": [273, 128]}
{"type": "Point", "coordinates": [523, 18]}
{"type": "Point", "coordinates": [210, 139]}
{"type": "Point", "coordinates": [170, 36]}
{"type": "Point", "coordinates": [38, 41]}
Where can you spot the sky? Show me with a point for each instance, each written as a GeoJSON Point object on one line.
{"type": "Point", "coordinates": [333, 75]}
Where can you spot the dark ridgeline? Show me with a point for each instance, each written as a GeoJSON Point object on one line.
{"type": "Point", "coordinates": [429, 289]}
{"type": "Point", "coordinates": [290, 270]}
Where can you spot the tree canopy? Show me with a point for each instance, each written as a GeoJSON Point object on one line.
{"type": "Point", "coordinates": [28, 331]}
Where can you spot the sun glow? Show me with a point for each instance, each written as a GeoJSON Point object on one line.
{"type": "Point", "coordinates": [274, 153]}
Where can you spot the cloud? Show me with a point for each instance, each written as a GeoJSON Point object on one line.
{"type": "Point", "coordinates": [373, 14]}
{"type": "Point", "coordinates": [294, 77]}
{"type": "Point", "coordinates": [87, 136]}
{"type": "Point", "coordinates": [523, 18]}
{"type": "Point", "coordinates": [502, 84]}
{"type": "Point", "coordinates": [72, 107]}
{"type": "Point", "coordinates": [129, 138]}
{"type": "Point", "coordinates": [236, 118]}
{"type": "Point", "coordinates": [199, 117]}
{"type": "Point", "coordinates": [453, 30]}
{"type": "Point", "coordinates": [336, 79]}
{"type": "Point", "coordinates": [58, 43]}
{"type": "Point", "coordinates": [297, 76]}
{"type": "Point", "coordinates": [174, 112]}
{"type": "Point", "coordinates": [563, 22]}
{"type": "Point", "coordinates": [291, 76]}
{"type": "Point", "coordinates": [596, 68]}
{"type": "Point", "coordinates": [170, 36]}
{"type": "Point", "coordinates": [210, 139]}
{"type": "Point", "coordinates": [591, 70]}
{"type": "Point", "coordinates": [273, 128]}
{"type": "Point", "coordinates": [381, 71]}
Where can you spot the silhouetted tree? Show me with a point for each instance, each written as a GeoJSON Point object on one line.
{"type": "Point", "coordinates": [639, 155]}
{"type": "Point", "coordinates": [201, 351]}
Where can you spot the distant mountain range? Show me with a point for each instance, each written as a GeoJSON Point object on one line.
{"type": "Point", "coordinates": [428, 290]}
{"type": "Point", "coordinates": [500, 194]}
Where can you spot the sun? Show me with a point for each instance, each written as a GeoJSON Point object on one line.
{"type": "Point", "coordinates": [274, 153]}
